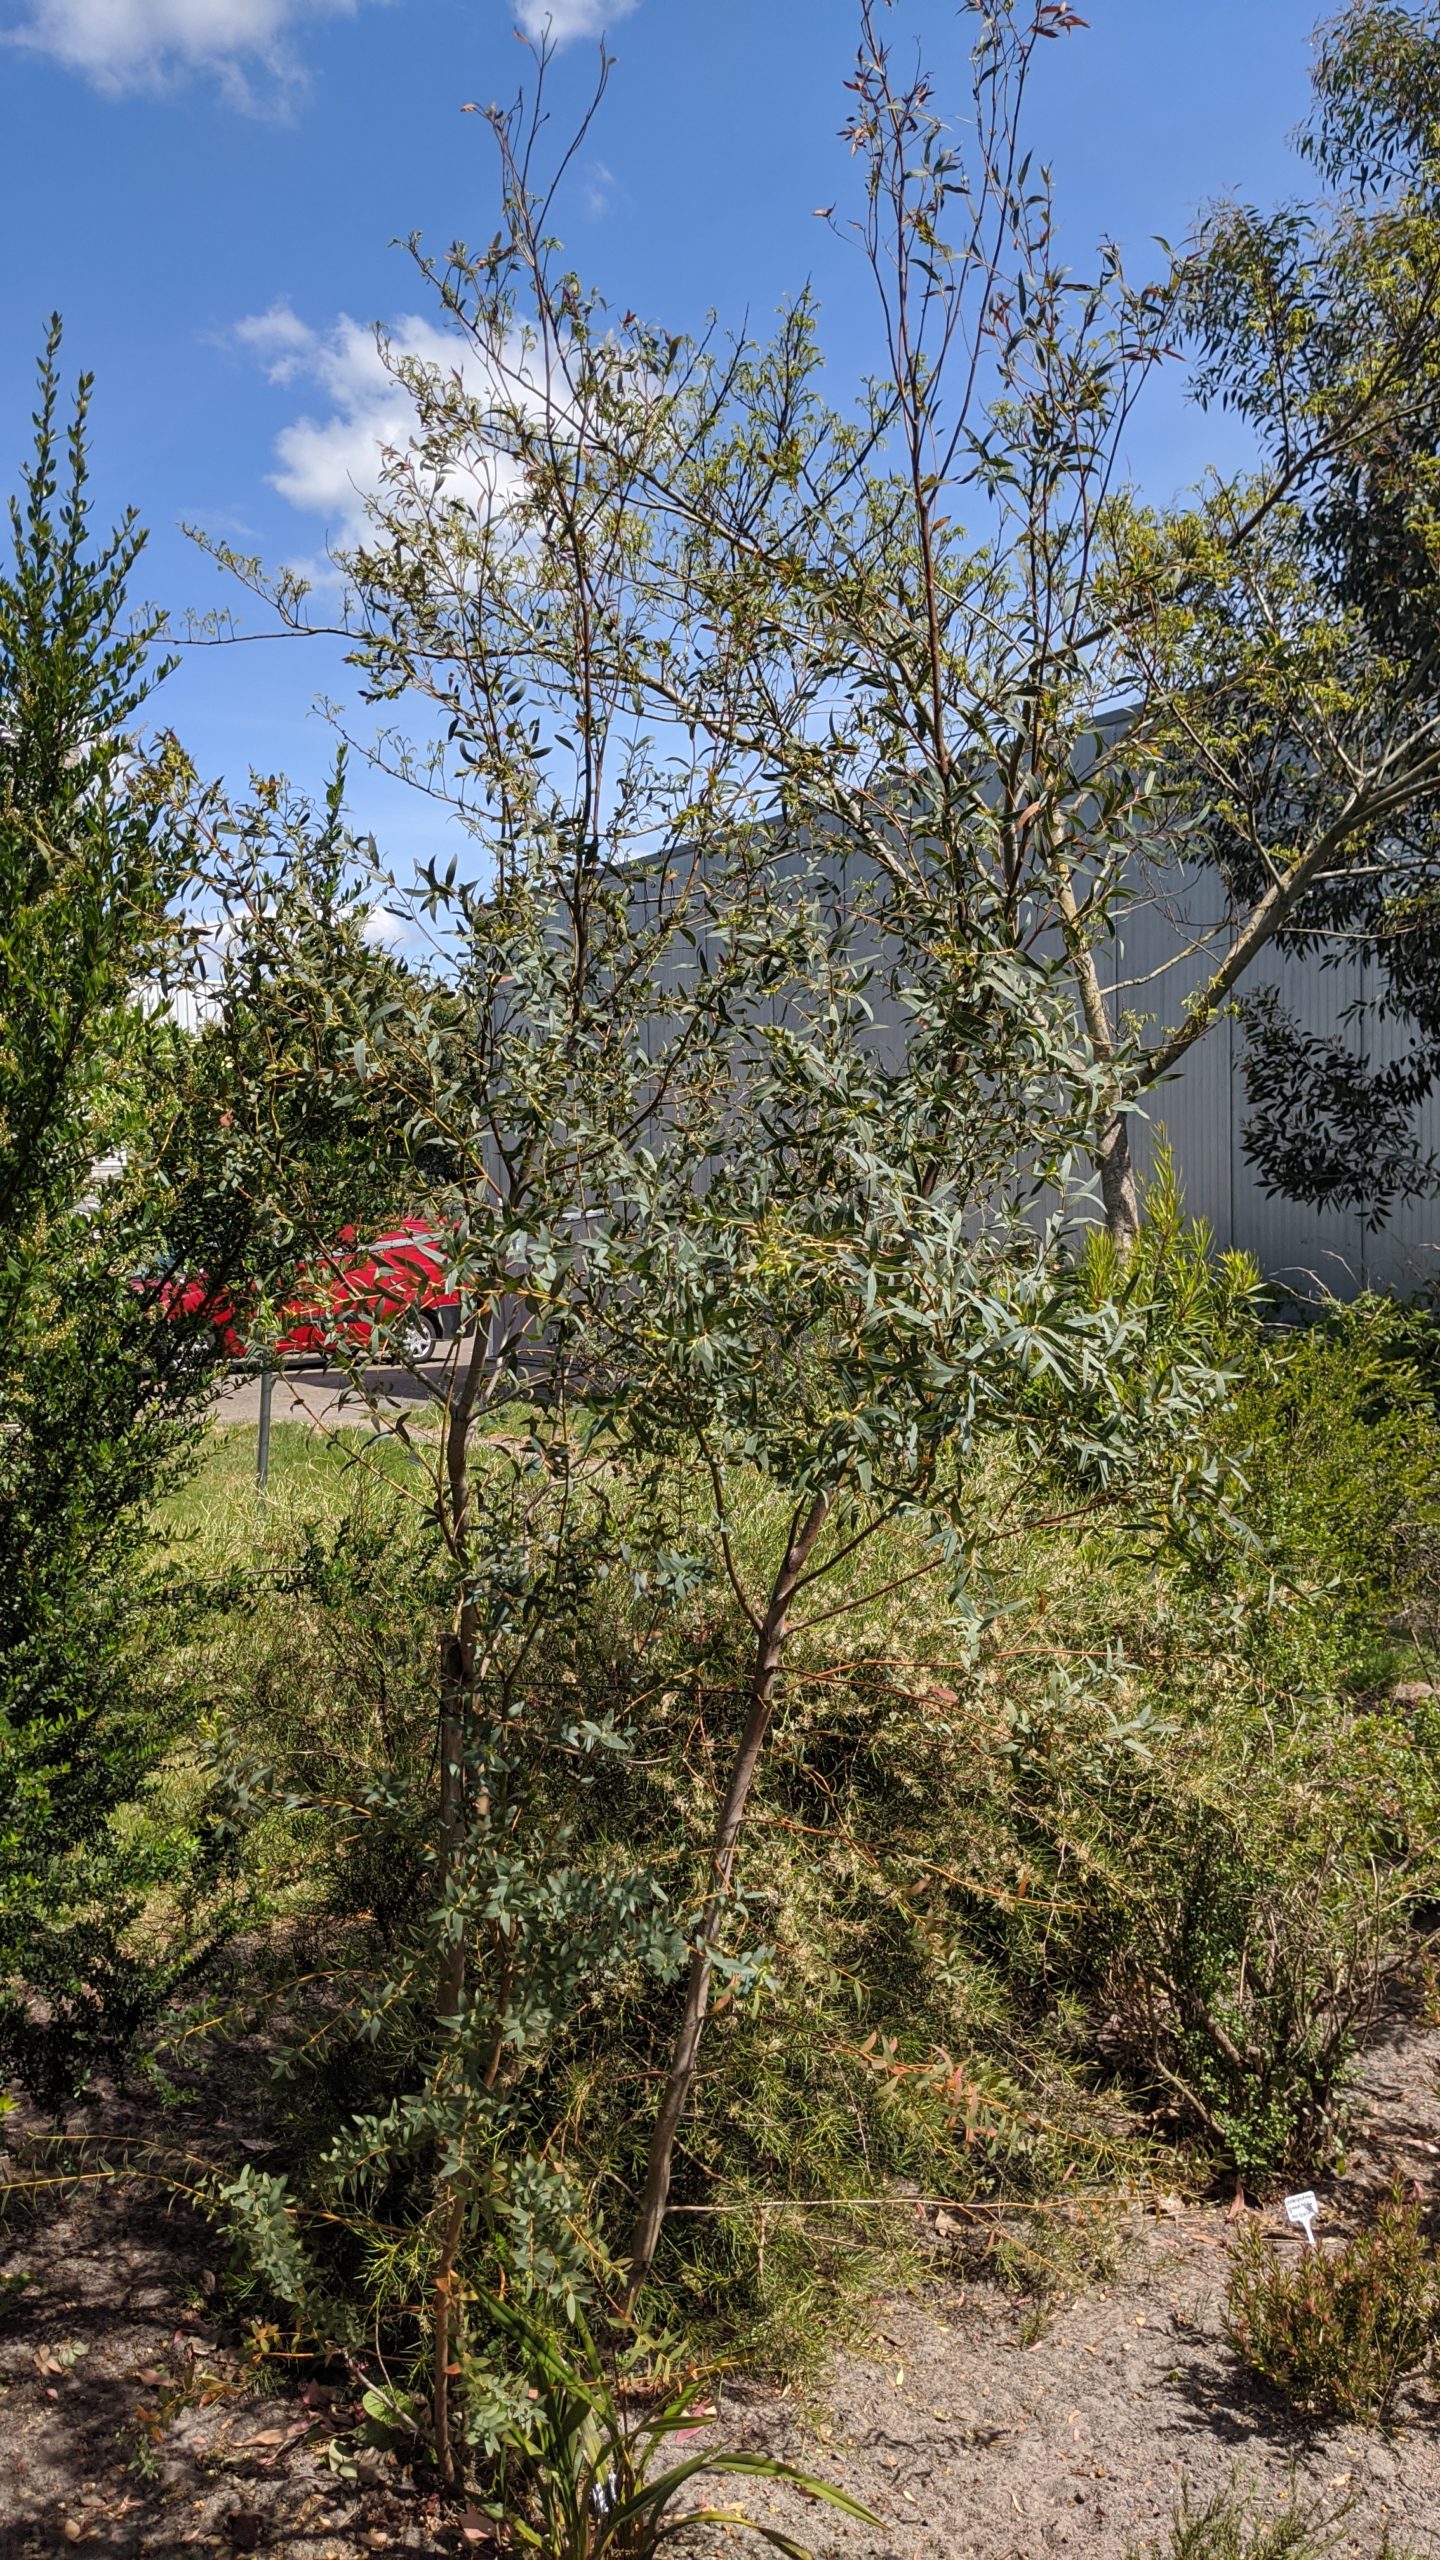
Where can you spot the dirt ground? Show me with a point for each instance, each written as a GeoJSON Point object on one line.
{"type": "Point", "coordinates": [965, 2440]}
{"type": "Point", "coordinates": [128, 2424]}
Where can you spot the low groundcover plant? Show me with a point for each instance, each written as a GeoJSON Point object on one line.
{"type": "Point", "coordinates": [1338, 2330]}
{"type": "Point", "coordinates": [577, 2470]}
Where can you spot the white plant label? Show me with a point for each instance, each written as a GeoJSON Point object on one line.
{"type": "Point", "coordinates": [1302, 2210]}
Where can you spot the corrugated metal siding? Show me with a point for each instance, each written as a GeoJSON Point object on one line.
{"type": "Point", "coordinates": [1405, 1255]}
{"type": "Point", "coordinates": [1201, 1110]}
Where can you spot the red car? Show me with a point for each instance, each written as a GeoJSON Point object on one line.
{"type": "Point", "coordinates": [397, 1283]}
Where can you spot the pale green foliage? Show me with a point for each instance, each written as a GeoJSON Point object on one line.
{"type": "Point", "coordinates": [719, 1242]}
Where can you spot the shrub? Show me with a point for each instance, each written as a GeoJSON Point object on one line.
{"type": "Point", "coordinates": [1177, 1858]}
{"type": "Point", "coordinates": [1227, 2527]}
{"type": "Point", "coordinates": [1334, 1430]}
{"type": "Point", "coordinates": [1337, 2331]}
{"type": "Point", "coordinates": [1223, 1853]}
{"type": "Point", "coordinates": [577, 2453]}
{"type": "Point", "coordinates": [97, 1401]}
{"type": "Point", "coordinates": [1148, 1831]}
{"type": "Point", "coordinates": [1232, 1933]}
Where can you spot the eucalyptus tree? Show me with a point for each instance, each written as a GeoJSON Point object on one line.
{"type": "Point", "coordinates": [982, 661]}
{"type": "Point", "coordinates": [942, 628]}
{"type": "Point", "coordinates": [905, 644]}
{"type": "Point", "coordinates": [1227, 705]}
{"type": "Point", "coordinates": [713, 1231]}
{"type": "Point", "coordinates": [1318, 763]}
{"type": "Point", "coordinates": [865, 1310]}
{"type": "Point", "coordinates": [1077, 699]}
{"type": "Point", "coordinates": [711, 1239]}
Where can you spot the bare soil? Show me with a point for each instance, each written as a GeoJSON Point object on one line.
{"type": "Point", "coordinates": [130, 2424]}
{"type": "Point", "coordinates": [965, 2440]}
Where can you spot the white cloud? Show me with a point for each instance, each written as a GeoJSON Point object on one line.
{"type": "Point", "coordinates": [383, 929]}
{"type": "Point", "coordinates": [328, 466]}
{"type": "Point", "coordinates": [129, 44]}
{"type": "Point", "coordinates": [598, 190]}
{"type": "Point", "coordinates": [245, 44]}
{"type": "Point", "coordinates": [564, 20]}
{"type": "Point", "coordinates": [280, 338]}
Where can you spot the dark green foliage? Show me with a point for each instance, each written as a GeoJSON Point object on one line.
{"type": "Point", "coordinates": [1336, 2331]}
{"type": "Point", "coordinates": [270, 1078]}
{"type": "Point", "coordinates": [127, 1157]}
{"type": "Point", "coordinates": [86, 862]}
{"type": "Point", "coordinates": [96, 1398]}
{"type": "Point", "coordinates": [96, 1425]}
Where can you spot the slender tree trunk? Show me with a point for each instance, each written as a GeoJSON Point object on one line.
{"type": "Point", "coordinates": [457, 1695]}
{"type": "Point", "coordinates": [449, 1998]}
{"type": "Point", "coordinates": [769, 1652]}
{"type": "Point", "coordinates": [1113, 1159]}
{"type": "Point", "coordinates": [1118, 1189]}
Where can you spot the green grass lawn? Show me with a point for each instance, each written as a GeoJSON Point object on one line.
{"type": "Point", "coordinates": [314, 1475]}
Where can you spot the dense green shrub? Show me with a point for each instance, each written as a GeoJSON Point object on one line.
{"type": "Point", "coordinates": [97, 1399]}
{"type": "Point", "coordinates": [1224, 1890]}
{"type": "Point", "coordinates": [1134, 1837]}
{"type": "Point", "coordinates": [1336, 2331]}
{"type": "Point", "coordinates": [1335, 1432]}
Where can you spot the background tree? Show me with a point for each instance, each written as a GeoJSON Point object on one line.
{"type": "Point", "coordinates": [1311, 315]}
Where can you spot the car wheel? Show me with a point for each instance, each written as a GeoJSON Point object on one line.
{"type": "Point", "coordinates": [415, 1335]}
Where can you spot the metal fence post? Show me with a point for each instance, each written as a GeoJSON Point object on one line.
{"type": "Point", "coordinates": [262, 1446]}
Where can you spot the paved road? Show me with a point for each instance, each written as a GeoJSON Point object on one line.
{"type": "Point", "coordinates": [323, 1397]}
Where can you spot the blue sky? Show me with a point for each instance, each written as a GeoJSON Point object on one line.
{"type": "Point", "coordinates": [208, 190]}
